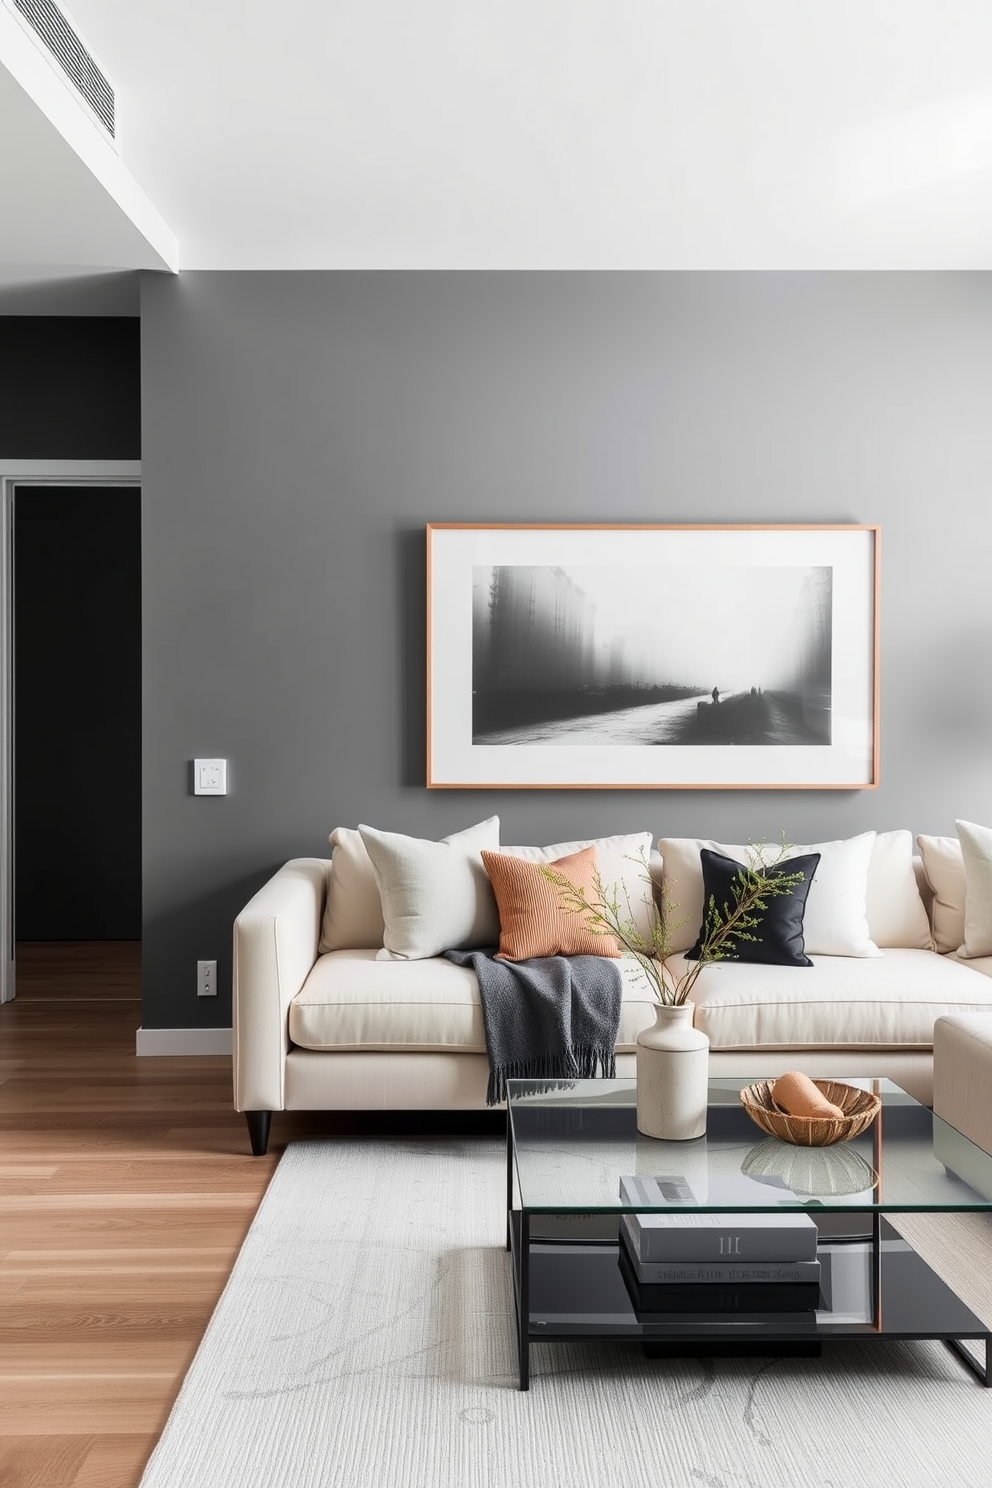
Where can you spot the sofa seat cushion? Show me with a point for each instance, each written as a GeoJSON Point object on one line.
{"type": "Point", "coordinates": [889, 1001]}
{"type": "Point", "coordinates": [974, 963]}
{"type": "Point", "coordinates": [352, 1001]}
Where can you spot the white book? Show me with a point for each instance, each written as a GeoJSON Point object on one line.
{"type": "Point", "coordinates": [694, 1235]}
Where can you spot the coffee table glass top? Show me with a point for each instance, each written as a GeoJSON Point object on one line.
{"type": "Point", "coordinates": [573, 1140]}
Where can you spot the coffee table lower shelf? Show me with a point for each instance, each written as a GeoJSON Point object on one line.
{"type": "Point", "coordinates": [575, 1292]}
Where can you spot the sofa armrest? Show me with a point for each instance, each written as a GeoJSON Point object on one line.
{"type": "Point", "coordinates": [275, 946]}
{"type": "Point", "coordinates": [962, 1068]}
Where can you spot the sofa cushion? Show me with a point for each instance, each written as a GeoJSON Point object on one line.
{"type": "Point", "coordinates": [981, 964]}
{"type": "Point", "coordinates": [944, 869]}
{"type": "Point", "coordinates": [620, 860]}
{"type": "Point", "coordinates": [352, 1001]}
{"type": "Point", "coordinates": [353, 909]}
{"type": "Point", "coordinates": [534, 919]}
{"type": "Point", "coordinates": [435, 895]}
{"type": "Point", "coordinates": [889, 1001]}
{"type": "Point", "coordinates": [976, 853]}
{"type": "Point", "coordinates": [777, 938]}
{"type": "Point", "coordinates": [835, 922]}
{"type": "Point", "coordinates": [896, 913]}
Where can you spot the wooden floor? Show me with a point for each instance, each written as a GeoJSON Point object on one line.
{"type": "Point", "coordinates": [126, 1189]}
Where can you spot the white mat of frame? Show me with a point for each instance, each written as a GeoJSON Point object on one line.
{"type": "Point", "coordinates": [365, 1338]}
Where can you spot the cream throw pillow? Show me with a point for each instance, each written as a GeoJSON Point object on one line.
{"type": "Point", "coordinates": [943, 865]}
{"type": "Point", "coordinates": [897, 915]}
{"type": "Point", "coordinates": [976, 851]}
{"type": "Point", "coordinates": [436, 896]}
{"type": "Point", "coordinates": [353, 911]}
{"type": "Point", "coordinates": [835, 922]}
{"type": "Point", "coordinates": [620, 861]}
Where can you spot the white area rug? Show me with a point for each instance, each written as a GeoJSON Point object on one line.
{"type": "Point", "coordinates": [365, 1338]}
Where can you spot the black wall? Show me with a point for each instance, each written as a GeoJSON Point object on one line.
{"type": "Point", "coordinates": [70, 389]}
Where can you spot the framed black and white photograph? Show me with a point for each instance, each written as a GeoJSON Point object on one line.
{"type": "Point", "coordinates": [602, 656]}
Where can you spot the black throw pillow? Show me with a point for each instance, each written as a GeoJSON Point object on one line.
{"type": "Point", "coordinates": [781, 929]}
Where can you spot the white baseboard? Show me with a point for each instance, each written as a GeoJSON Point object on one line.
{"type": "Point", "coordinates": [184, 1041]}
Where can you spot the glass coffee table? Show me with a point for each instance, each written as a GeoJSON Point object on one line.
{"type": "Point", "coordinates": [569, 1143]}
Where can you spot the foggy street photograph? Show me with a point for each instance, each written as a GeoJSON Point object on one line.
{"type": "Point", "coordinates": [593, 655]}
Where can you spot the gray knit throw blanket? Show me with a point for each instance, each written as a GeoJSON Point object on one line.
{"type": "Point", "coordinates": [555, 1017]}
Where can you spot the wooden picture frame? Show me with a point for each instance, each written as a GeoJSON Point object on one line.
{"type": "Point", "coordinates": [600, 656]}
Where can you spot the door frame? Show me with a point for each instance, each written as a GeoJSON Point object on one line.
{"type": "Point", "coordinates": [14, 473]}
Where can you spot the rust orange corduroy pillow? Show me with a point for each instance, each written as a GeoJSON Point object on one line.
{"type": "Point", "coordinates": [532, 919]}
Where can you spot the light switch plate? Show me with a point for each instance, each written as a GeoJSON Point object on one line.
{"type": "Point", "coordinates": [210, 777]}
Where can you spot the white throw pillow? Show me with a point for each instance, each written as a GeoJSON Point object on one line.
{"type": "Point", "coordinates": [620, 862]}
{"type": "Point", "coordinates": [835, 921]}
{"type": "Point", "coordinates": [943, 865]}
{"type": "Point", "coordinates": [353, 912]}
{"type": "Point", "coordinates": [897, 915]}
{"type": "Point", "coordinates": [436, 896]}
{"type": "Point", "coordinates": [976, 851]}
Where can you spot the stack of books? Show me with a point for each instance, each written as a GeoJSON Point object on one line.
{"type": "Point", "coordinates": [677, 1262]}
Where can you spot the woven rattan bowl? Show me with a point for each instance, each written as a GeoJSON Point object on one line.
{"type": "Point", "coordinates": [860, 1108]}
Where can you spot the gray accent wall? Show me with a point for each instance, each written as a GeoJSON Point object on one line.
{"type": "Point", "coordinates": [300, 429]}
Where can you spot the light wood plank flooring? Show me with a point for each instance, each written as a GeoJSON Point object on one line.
{"type": "Point", "coordinates": [126, 1189]}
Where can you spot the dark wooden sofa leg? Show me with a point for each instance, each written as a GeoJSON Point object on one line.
{"type": "Point", "coordinates": [258, 1131]}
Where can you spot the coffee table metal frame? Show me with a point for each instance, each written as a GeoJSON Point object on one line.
{"type": "Point", "coordinates": [567, 1144]}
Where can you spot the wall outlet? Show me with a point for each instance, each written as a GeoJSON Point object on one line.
{"type": "Point", "coordinates": [210, 777]}
{"type": "Point", "coordinates": [206, 978]}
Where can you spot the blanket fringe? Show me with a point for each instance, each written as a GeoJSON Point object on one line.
{"type": "Point", "coordinates": [554, 1071]}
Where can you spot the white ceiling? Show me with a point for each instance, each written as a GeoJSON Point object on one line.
{"type": "Point", "coordinates": [590, 134]}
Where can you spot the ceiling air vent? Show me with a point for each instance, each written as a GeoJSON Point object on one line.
{"type": "Point", "coordinates": [71, 55]}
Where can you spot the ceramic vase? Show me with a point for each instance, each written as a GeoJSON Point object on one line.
{"type": "Point", "coordinates": [672, 1076]}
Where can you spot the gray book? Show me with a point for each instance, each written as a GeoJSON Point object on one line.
{"type": "Point", "coordinates": [574, 1226]}
{"type": "Point", "coordinates": [695, 1235]}
{"type": "Point", "coordinates": [715, 1272]}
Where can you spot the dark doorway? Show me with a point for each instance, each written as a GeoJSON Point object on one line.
{"type": "Point", "coordinates": [77, 713]}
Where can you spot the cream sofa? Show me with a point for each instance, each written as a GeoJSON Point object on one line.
{"type": "Point", "coordinates": [322, 1022]}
